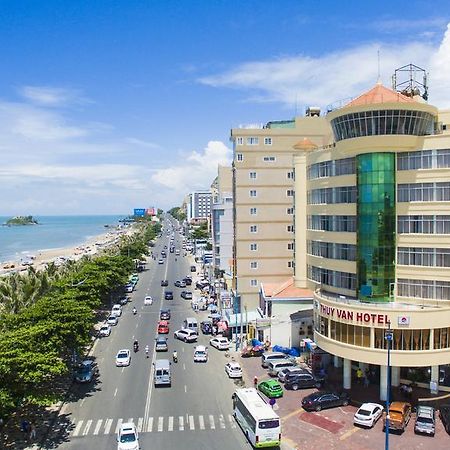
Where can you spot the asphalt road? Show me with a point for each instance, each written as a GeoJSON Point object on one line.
{"type": "Point", "coordinates": [195, 413]}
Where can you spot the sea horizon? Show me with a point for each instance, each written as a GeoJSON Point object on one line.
{"type": "Point", "coordinates": [51, 232]}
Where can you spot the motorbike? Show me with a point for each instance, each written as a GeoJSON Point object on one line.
{"type": "Point", "coordinates": [135, 347]}
{"type": "Point", "coordinates": [175, 358]}
{"type": "Point", "coordinates": [134, 311]}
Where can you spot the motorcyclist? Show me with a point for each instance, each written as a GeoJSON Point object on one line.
{"type": "Point", "coordinates": [134, 311]}
{"type": "Point", "coordinates": [147, 349]}
{"type": "Point", "coordinates": [136, 345]}
{"type": "Point", "coordinates": [175, 356]}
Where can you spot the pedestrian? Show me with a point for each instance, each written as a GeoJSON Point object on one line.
{"type": "Point", "coordinates": [255, 381]}
{"type": "Point", "coordinates": [359, 375]}
{"type": "Point", "coordinates": [366, 381]}
{"type": "Point", "coordinates": [32, 432]}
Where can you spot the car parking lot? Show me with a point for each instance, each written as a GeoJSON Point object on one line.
{"type": "Point", "coordinates": [333, 428]}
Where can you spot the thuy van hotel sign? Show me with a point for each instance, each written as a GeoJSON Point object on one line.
{"type": "Point", "coordinates": [354, 316]}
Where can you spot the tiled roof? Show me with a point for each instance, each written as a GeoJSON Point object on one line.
{"type": "Point", "coordinates": [287, 289]}
{"type": "Point", "coordinates": [380, 94]}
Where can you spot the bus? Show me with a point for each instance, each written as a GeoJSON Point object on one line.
{"type": "Point", "coordinates": [257, 419]}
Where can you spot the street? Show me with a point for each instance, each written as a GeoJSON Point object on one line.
{"type": "Point", "coordinates": [194, 413]}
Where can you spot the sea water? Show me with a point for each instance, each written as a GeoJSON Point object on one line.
{"type": "Point", "coordinates": [51, 232]}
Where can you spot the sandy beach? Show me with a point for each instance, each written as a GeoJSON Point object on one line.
{"type": "Point", "coordinates": [91, 246]}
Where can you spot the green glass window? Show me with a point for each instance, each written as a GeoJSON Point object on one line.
{"type": "Point", "coordinates": [376, 226]}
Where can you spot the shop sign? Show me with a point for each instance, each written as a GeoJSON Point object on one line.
{"type": "Point", "coordinates": [360, 317]}
{"type": "Point", "coordinates": [403, 320]}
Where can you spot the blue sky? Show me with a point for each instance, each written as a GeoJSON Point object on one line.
{"type": "Point", "coordinates": [110, 105]}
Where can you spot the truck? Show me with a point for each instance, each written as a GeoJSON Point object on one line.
{"type": "Point", "coordinates": [399, 416]}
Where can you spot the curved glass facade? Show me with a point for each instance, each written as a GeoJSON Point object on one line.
{"type": "Point", "coordinates": [376, 226]}
{"type": "Point", "coordinates": [385, 121]}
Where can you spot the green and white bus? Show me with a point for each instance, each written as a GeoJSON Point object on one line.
{"type": "Point", "coordinates": [257, 419]}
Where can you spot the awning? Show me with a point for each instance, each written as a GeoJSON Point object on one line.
{"type": "Point", "coordinates": [246, 317]}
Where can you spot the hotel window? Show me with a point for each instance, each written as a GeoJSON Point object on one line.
{"type": "Point", "coordinates": [443, 158]}
{"type": "Point", "coordinates": [253, 283]}
{"type": "Point", "coordinates": [290, 246]}
{"type": "Point", "coordinates": [253, 247]}
{"type": "Point", "coordinates": [253, 193]}
{"type": "Point", "coordinates": [290, 192]}
{"type": "Point", "coordinates": [418, 256]}
{"type": "Point", "coordinates": [240, 141]}
{"type": "Point", "coordinates": [253, 211]}
{"type": "Point", "coordinates": [269, 158]}
{"type": "Point", "coordinates": [252, 141]}
{"type": "Point", "coordinates": [430, 289]}
{"type": "Point", "coordinates": [414, 160]}
{"type": "Point", "coordinates": [290, 175]}
{"type": "Point", "coordinates": [240, 157]}
{"type": "Point", "coordinates": [252, 175]}
{"type": "Point", "coordinates": [290, 228]}
{"type": "Point", "coordinates": [267, 141]}
{"type": "Point", "coordinates": [253, 264]}
{"type": "Point", "coordinates": [290, 211]}
{"type": "Point", "coordinates": [291, 264]}
{"type": "Point", "coordinates": [253, 228]}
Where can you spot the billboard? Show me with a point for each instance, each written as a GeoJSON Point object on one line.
{"type": "Point", "coordinates": [150, 211]}
{"type": "Point", "coordinates": [139, 212]}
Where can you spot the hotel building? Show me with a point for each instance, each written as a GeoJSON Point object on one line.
{"type": "Point", "coordinates": [373, 235]}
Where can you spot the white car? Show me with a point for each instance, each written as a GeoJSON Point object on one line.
{"type": "Point", "coordinates": [220, 343]}
{"type": "Point", "coordinates": [148, 300]}
{"type": "Point", "coordinates": [112, 320]}
{"type": "Point", "coordinates": [200, 354]}
{"type": "Point", "coordinates": [161, 261]}
{"type": "Point", "coordinates": [116, 310]}
{"type": "Point", "coordinates": [105, 330]}
{"type": "Point", "coordinates": [368, 414]}
{"type": "Point", "coordinates": [186, 335]}
{"type": "Point", "coordinates": [127, 437]}
{"type": "Point", "coordinates": [123, 358]}
{"type": "Point", "coordinates": [233, 370]}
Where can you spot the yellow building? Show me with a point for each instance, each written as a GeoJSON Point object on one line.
{"type": "Point", "coordinates": [373, 235]}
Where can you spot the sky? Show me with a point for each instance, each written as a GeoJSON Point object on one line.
{"type": "Point", "coordinates": [110, 105]}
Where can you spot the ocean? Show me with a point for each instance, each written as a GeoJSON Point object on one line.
{"type": "Point", "coordinates": [52, 232]}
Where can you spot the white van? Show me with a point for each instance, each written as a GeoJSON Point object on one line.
{"type": "Point", "coordinates": [190, 323]}
{"type": "Point", "coordinates": [162, 375]}
{"type": "Point", "coordinates": [276, 366]}
{"type": "Point", "coordinates": [271, 356]}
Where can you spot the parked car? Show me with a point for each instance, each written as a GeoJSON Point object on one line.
{"type": "Point", "coordinates": [425, 420]}
{"type": "Point", "coordinates": [303, 380]}
{"type": "Point", "coordinates": [193, 269]}
{"type": "Point", "coordinates": [129, 288]}
{"type": "Point", "coordinates": [275, 366]}
{"type": "Point", "coordinates": [271, 388]}
{"type": "Point", "coordinates": [187, 295]}
{"type": "Point", "coordinates": [321, 400]}
{"type": "Point", "coordinates": [148, 300]}
{"type": "Point", "coordinates": [116, 310]}
{"type": "Point", "coordinates": [168, 295]}
{"type": "Point", "coordinates": [85, 371]}
{"type": "Point", "coordinates": [399, 416]}
{"type": "Point", "coordinates": [221, 343]}
{"type": "Point", "coordinates": [164, 314]}
{"type": "Point", "coordinates": [368, 414]}
{"type": "Point", "coordinates": [186, 335]}
{"type": "Point", "coordinates": [164, 283]}
{"type": "Point", "coordinates": [233, 369]}
{"type": "Point", "coordinates": [123, 300]}
{"type": "Point", "coordinates": [163, 327]}
{"type": "Point", "coordinates": [206, 327]}
{"type": "Point", "coordinates": [444, 414]}
{"type": "Point", "coordinates": [271, 356]}
{"type": "Point", "coordinates": [127, 437]}
{"type": "Point", "coordinates": [112, 320]}
{"type": "Point", "coordinates": [188, 281]}
{"type": "Point", "coordinates": [282, 374]}
{"type": "Point", "coordinates": [123, 358]}
{"type": "Point", "coordinates": [177, 283]}
{"type": "Point", "coordinates": [105, 330]}
{"type": "Point", "coordinates": [161, 344]}
{"type": "Point", "coordinates": [200, 354]}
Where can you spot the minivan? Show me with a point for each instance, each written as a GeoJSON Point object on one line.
{"type": "Point", "coordinates": [276, 365]}
{"type": "Point", "coordinates": [191, 323]}
{"type": "Point", "coordinates": [425, 420]}
{"type": "Point", "coordinates": [162, 375]}
{"type": "Point", "coordinates": [271, 356]}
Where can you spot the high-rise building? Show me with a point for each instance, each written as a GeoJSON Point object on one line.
{"type": "Point", "coordinates": [198, 206]}
{"type": "Point", "coordinates": [373, 236]}
{"type": "Point", "coordinates": [263, 196]}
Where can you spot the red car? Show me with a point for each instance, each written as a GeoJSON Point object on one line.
{"type": "Point", "coordinates": [163, 327]}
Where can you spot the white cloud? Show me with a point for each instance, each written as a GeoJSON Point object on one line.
{"type": "Point", "coordinates": [336, 75]}
{"type": "Point", "coordinates": [51, 96]}
{"type": "Point", "coordinates": [197, 171]}
{"type": "Point", "coordinates": [141, 143]}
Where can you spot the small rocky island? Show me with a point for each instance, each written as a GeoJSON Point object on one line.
{"type": "Point", "coordinates": [21, 220]}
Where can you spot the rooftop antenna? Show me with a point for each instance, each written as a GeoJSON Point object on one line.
{"type": "Point", "coordinates": [405, 80]}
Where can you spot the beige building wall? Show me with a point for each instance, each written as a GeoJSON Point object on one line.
{"type": "Point", "coordinates": [263, 183]}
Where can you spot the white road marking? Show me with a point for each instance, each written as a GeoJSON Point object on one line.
{"type": "Point", "coordinates": [115, 392]}
{"type": "Point", "coordinates": [184, 366]}
{"type": "Point", "coordinates": [160, 423]}
{"type": "Point", "coordinates": [82, 401]}
{"type": "Point", "coordinates": [98, 426]}
{"type": "Point", "coordinates": [108, 424]}
{"type": "Point", "coordinates": [119, 424]}
{"type": "Point", "coordinates": [77, 428]}
{"type": "Point", "coordinates": [232, 421]}
{"type": "Point", "coordinates": [191, 423]}
{"type": "Point", "coordinates": [170, 426]}
{"type": "Point", "coordinates": [136, 325]}
{"type": "Point", "coordinates": [130, 420]}
{"type": "Point", "coordinates": [86, 427]}
{"type": "Point", "coordinates": [181, 423]}
{"type": "Point", "coordinates": [211, 422]}
{"type": "Point", "coordinates": [221, 421]}
{"type": "Point", "coordinates": [150, 424]}
{"type": "Point", "coordinates": [185, 388]}
{"type": "Point", "coordinates": [201, 422]}
{"type": "Point", "coordinates": [139, 424]}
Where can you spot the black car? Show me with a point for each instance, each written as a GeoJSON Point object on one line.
{"type": "Point", "coordinates": [201, 285]}
{"type": "Point", "coordinates": [444, 414]}
{"type": "Point", "coordinates": [85, 371]}
{"type": "Point", "coordinates": [164, 283]}
{"type": "Point", "coordinates": [193, 269]}
{"type": "Point", "coordinates": [187, 295]}
{"type": "Point", "coordinates": [206, 327]}
{"type": "Point", "coordinates": [303, 380]}
{"type": "Point", "coordinates": [188, 281]}
{"type": "Point", "coordinates": [164, 314]}
{"type": "Point", "coordinates": [321, 400]}
{"type": "Point", "coordinates": [123, 300]}
{"type": "Point", "coordinates": [168, 295]}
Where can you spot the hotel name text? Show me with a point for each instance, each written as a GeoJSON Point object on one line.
{"type": "Point", "coordinates": [361, 317]}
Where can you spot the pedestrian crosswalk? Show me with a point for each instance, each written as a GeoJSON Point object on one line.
{"type": "Point", "coordinates": [188, 422]}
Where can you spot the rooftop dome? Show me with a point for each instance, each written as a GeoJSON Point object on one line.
{"type": "Point", "coordinates": [305, 144]}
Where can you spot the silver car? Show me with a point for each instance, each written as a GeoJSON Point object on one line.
{"type": "Point", "coordinates": [425, 420]}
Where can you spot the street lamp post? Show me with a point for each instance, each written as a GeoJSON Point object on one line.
{"type": "Point", "coordinates": [388, 334]}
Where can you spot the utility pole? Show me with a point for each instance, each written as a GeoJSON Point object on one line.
{"type": "Point", "coordinates": [388, 336]}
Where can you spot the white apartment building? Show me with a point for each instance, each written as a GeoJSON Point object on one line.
{"type": "Point", "coordinates": [198, 206]}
